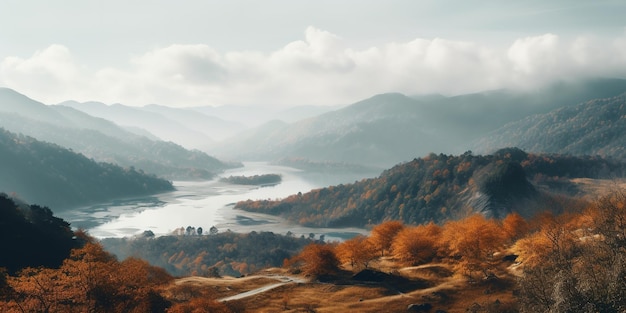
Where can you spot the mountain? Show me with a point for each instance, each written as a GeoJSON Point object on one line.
{"type": "Point", "coordinates": [381, 130]}
{"type": "Point", "coordinates": [101, 139]}
{"type": "Point", "coordinates": [214, 128]}
{"type": "Point", "coordinates": [45, 173]}
{"type": "Point", "coordinates": [443, 187]}
{"type": "Point", "coordinates": [163, 126]}
{"type": "Point", "coordinates": [391, 128]}
{"type": "Point", "coordinates": [596, 127]}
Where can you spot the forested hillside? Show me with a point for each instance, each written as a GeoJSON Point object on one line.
{"type": "Point", "coordinates": [596, 127]}
{"type": "Point", "coordinates": [40, 172]}
{"type": "Point", "coordinates": [103, 140]}
{"type": "Point", "coordinates": [390, 128]}
{"type": "Point", "coordinates": [225, 253]}
{"type": "Point", "coordinates": [443, 187]}
{"type": "Point", "coordinates": [31, 236]}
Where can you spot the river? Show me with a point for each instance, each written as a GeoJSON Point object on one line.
{"type": "Point", "coordinates": [209, 203]}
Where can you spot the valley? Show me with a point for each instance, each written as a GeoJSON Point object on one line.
{"type": "Point", "coordinates": [336, 212]}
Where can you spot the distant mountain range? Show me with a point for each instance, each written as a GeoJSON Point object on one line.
{"type": "Point", "coordinates": [596, 127]}
{"type": "Point", "coordinates": [391, 128]}
{"type": "Point", "coordinates": [47, 174]}
{"type": "Point", "coordinates": [103, 140]}
{"type": "Point", "coordinates": [194, 128]}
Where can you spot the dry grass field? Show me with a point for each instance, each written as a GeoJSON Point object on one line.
{"type": "Point", "coordinates": [435, 284]}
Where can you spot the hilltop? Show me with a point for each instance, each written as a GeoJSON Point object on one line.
{"type": "Point", "coordinates": [443, 187]}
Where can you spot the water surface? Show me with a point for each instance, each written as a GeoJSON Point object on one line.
{"type": "Point", "coordinates": [209, 203]}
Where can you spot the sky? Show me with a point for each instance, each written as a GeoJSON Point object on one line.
{"type": "Point", "coordinates": [284, 53]}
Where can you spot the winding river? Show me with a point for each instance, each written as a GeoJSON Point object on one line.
{"type": "Point", "coordinates": [209, 203]}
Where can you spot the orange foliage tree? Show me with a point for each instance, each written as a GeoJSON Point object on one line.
{"type": "Point", "coordinates": [317, 260]}
{"type": "Point", "coordinates": [576, 262]}
{"type": "Point", "coordinates": [514, 226]}
{"type": "Point", "coordinates": [357, 251]}
{"type": "Point", "coordinates": [415, 245]}
{"type": "Point", "coordinates": [90, 280]}
{"type": "Point", "coordinates": [475, 240]}
{"type": "Point", "coordinates": [382, 235]}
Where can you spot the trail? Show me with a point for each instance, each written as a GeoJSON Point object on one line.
{"type": "Point", "coordinates": [284, 280]}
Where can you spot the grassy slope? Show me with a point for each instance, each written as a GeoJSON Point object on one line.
{"type": "Point", "coordinates": [448, 291]}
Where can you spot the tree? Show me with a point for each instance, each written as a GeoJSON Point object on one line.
{"type": "Point", "coordinates": [213, 230]}
{"type": "Point", "coordinates": [190, 231]}
{"type": "Point", "coordinates": [357, 251]}
{"type": "Point", "coordinates": [474, 240]}
{"type": "Point", "coordinates": [383, 234]}
{"type": "Point", "coordinates": [317, 260]}
{"type": "Point", "coordinates": [576, 262]}
{"type": "Point", "coordinates": [514, 226]}
{"type": "Point", "coordinates": [416, 245]}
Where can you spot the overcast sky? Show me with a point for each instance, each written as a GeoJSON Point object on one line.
{"type": "Point", "coordinates": [290, 52]}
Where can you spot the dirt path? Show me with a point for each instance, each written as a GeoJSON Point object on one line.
{"type": "Point", "coordinates": [283, 280]}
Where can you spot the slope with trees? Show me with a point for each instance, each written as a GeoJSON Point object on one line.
{"type": "Point", "coordinates": [103, 140]}
{"type": "Point", "coordinates": [390, 128]}
{"type": "Point", "coordinates": [571, 262]}
{"type": "Point", "coordinates": [442, 187]}
{"type": "Point", "coordinates": [596, 127]}
{"type": "Point", "coordinates": [225, 253]}
{"type": "Point", "coordinates": [40, 172]}
{"type": "Point", "coordinates": [32, 236]}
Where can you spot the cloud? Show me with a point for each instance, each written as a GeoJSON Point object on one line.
{"type": "Point", "coordinates": [48, 72]}
{"type": "Point", "coordinates": [319, 69]}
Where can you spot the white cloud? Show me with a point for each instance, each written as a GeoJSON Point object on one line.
{"type": "Point", "coordinates": [319, 69]}
{"type": "Point", "coordinates": [48, 72]}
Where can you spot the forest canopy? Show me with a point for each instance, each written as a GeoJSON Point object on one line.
{"type": "Point", "coordinates": [442, 187]}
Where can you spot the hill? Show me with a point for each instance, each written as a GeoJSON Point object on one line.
{"type": "Point", "coordinates": [31, 236]}
{"type": "Point", "coordinates": [596, 127]}
{"type": "Point", "coordinates": [103, 140]}
{"type": "Point", "coordinates": [40, 172]}
{"type": "Point", "coordinates": [391, 128]}
{"type": "Point", "coordinates": [443, 187]}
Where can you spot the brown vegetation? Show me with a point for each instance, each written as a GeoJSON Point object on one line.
{"type": "Point", "coordinates": [573, 262]}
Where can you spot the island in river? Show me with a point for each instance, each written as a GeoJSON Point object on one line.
{"type": "Point", "coordinates": [258, 180]}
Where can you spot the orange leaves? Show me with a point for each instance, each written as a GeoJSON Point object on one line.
{"type": "Point", "coordinates": [90, 280]}
{"type": "Point", "coordinates": [475, 239]}
{"type": "Point", "coordinates": [416, 245]}
{"type": "Point", "coordinates": [383, 235]}
{"type": "Point", "coordinates": [358, 252]}
{"type": "Point", "coordinates": [514, 226]}
{"type": "Point", "coordinates": [317, 260]}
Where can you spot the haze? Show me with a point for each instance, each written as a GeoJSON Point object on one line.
{"type": "Point", "coordinates": [286, 53]}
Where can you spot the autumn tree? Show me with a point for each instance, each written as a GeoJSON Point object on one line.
{"type": "Point", "coordinates": [576, 262]}
{"type": "Point", "coordinates": [514, 226]}
{"type": "Point", "coordinates": [317, 260]}
{"type": "Point", "coordinates": [416, 245]}
{"type": "Point", "coordinates": [90, 280]}
{"type": "Point", "coordinates": [474, 240]}
{"type": "Point", "coordinates": [382, 235]}
{"type": "Point", "coordinates": [357, 251]}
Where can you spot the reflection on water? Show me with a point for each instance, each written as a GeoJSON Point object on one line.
{"type": "Point", "coordinates": [205, 204]}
